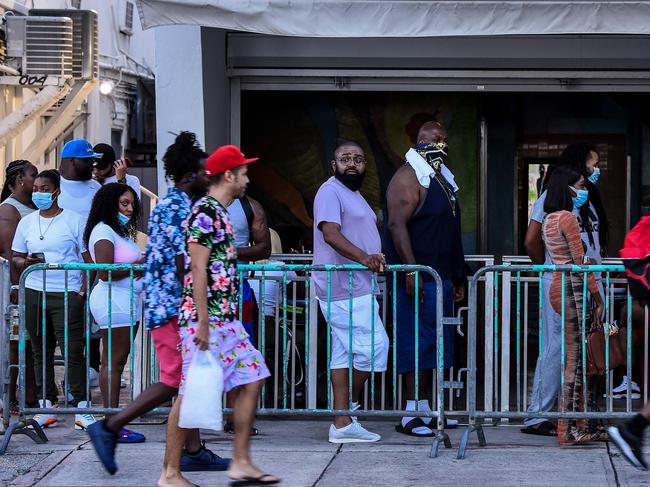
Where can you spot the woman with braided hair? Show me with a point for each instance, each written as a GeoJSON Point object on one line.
{"type": "Point", "coordinates": [16, 203]}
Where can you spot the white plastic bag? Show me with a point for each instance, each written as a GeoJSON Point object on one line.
{"type": "Point", "coordinates": [201, 406]}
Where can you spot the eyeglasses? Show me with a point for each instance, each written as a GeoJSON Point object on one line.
{"type": "Point", "coordinates": [348, 160]}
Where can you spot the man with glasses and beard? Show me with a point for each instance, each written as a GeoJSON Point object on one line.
{"type": "Point", "coordinates": [345, 232]}
{"type": "Point", "coordinates": [423, 228]}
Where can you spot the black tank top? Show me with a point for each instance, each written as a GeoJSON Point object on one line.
{"type": "Point", "coordinates": [435, 235]}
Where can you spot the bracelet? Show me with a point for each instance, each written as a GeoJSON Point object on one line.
{"type": "Point", "coordinates": [15, 287]}
{"type": "Point", "coordinates": [411, 273]}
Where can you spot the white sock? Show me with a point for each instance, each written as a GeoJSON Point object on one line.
{"type": "Point", "coordinates": [423, 405]}
{"type": "Point", "coordinates": [420, 430]}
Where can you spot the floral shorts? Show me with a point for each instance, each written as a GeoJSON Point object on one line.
{"type": "Point", "coordinates": [229, 343]}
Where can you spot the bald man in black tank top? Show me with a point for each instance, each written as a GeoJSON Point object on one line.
{"type": "Point", "coordinates": [423, 227]}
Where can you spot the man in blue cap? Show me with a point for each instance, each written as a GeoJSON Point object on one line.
{"type": "Point", "coordinates": [78, 189]}
{"type": "Point", "coordinates": [77, 186]}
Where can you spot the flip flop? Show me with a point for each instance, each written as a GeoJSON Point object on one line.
{"type": "Point", "coordinates": [244, 481]}
{"type": "Point", "coordinates": [411, 425]}
{"type": "Point", "coordinates": [542, 429]}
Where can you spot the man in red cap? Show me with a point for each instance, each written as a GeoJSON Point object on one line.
{"type": "Point", "coordinates": [208, 316]}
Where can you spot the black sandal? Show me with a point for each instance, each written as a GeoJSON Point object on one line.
{"type": "Point", "coordinates": [244, 481]}
{"type": "Point", "coordinates": [229, 427]}
{"type": "Point", "coordinates": [411, 425]}
{"type": "Point", "coordinates": [541, 429]}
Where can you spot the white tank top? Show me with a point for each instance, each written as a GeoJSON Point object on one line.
{"type": "Point", "coordinates": [239, 224]}
{"type": "Point", "coordinates": [23, 210]}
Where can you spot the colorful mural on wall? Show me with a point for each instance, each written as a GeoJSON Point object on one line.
{"type": "Point", "coordinates": [295, 135]}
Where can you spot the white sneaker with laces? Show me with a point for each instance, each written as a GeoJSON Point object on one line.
{"type": "Point", "coordinates": [45, 420]}
{"type": "Point", "coordinates": [83, 421]}
{"type": "Point", "coordinates": [352, 433]}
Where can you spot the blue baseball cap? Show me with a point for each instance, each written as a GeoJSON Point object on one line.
{"type": "Point", "coordinates": [79, 149]}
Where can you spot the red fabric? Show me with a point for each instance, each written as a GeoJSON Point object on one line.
{"type": "Point", "coordinates": [248, 311]}
{"type": "Point", "coordinates": [166, 341]}
{"type": "Point", "coordinates": [637, 242]}
{"type": "Point", "coordinates": [636, 258]}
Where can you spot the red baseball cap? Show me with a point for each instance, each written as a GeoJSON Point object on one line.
{"type": "Point", "coordinates": [225, 158]}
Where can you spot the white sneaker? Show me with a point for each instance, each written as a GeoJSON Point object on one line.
{"type": "Point", "coordinates": [620, 391]}
{"type": "Point", "coordinates": [352, 433]}
{"type": "Point", "coordinates": [93, 378]}
{"type": "Point", "coordinates": [46, 420]}
{"type": "Point", "coordinates": [82, 421]}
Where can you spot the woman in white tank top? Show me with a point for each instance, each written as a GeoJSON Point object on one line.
{"type": "Point", "coordinates": [17, 203]}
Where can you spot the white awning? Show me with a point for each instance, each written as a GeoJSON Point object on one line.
{"type": "Point", "coordinates": [403, 18]}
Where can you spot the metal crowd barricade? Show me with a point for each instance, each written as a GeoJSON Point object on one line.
{"type": "Point", "coordinates": [5, 366]}
{"type": "Point", "coordinates": [456, 399]}
{"type": "Point", "coordinates": [27, 425]}
{"type": "Point", "coordinates": [310, 346]}
{"type": "Point", "coordinates": [514, 300]}
{"type": "Point", "coordinates": [296, 346]}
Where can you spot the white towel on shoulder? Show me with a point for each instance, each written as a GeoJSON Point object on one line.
{"type": "Point", "coordinates": [423, 171]}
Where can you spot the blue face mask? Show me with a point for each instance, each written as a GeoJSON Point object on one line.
{"type": "Point", "coordinates": [43, 201]}
{"type": "Point", "coordinates": [123, 219]}
{"type": "Point", "coordinates": [595, 175]}
{"type": "Point", "coordinates": [581, 198]}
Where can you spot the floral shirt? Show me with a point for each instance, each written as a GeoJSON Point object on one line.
{"type": "Point", "coordinates": [209, 226]}
{"type": "Point", "coordinates": [166, 230]}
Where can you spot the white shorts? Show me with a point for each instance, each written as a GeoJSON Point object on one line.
{"type": "Point", "coordinates": [120, 303]}
{"type": "Point", "coordinates": [361, 334]}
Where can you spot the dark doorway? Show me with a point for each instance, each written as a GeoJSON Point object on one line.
{"type": "Point", "coordinates": [539, 151]}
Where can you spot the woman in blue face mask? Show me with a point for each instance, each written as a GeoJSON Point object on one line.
{"type": "Point", "coordinates": [110, 236]}
{"type": "Point", "coordinates": [54, 235]}
{"type": "Point", "coordinates": [561, 233]}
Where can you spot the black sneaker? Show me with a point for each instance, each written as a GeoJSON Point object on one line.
{"type": "Point", "coordinates": [203, 460]}
{"type": "Point", "coordinates": [629, 444]}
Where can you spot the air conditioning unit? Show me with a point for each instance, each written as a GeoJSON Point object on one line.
{"type": "Point", "coordinates": [126, 13]}
{"type": "Point", "coordinates": [39, 45]}
{"type": "Point", "coordinates": [85, 54]}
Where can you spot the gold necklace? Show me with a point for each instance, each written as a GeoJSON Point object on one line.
{"type": "Point", "coordinates": [452, 204]}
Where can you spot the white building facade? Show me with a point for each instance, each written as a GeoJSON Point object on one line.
{"type": "Point", "coordinates": [115, 105]}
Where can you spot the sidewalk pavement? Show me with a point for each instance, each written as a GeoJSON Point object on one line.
{"type": "Point", "coordinates": [298, 451]}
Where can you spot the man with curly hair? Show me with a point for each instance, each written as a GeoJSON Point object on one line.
{"type": "Point", "coordinates": [163, 279]}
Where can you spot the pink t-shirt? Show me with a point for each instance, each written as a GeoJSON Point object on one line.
{"type": "Point", "coordinates": [125, 251]}
{"type": "Point", "coordinates": [335, 203]}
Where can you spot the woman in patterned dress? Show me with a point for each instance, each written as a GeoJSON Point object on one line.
{"type": "Point", "coordinates": [561, 233]}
